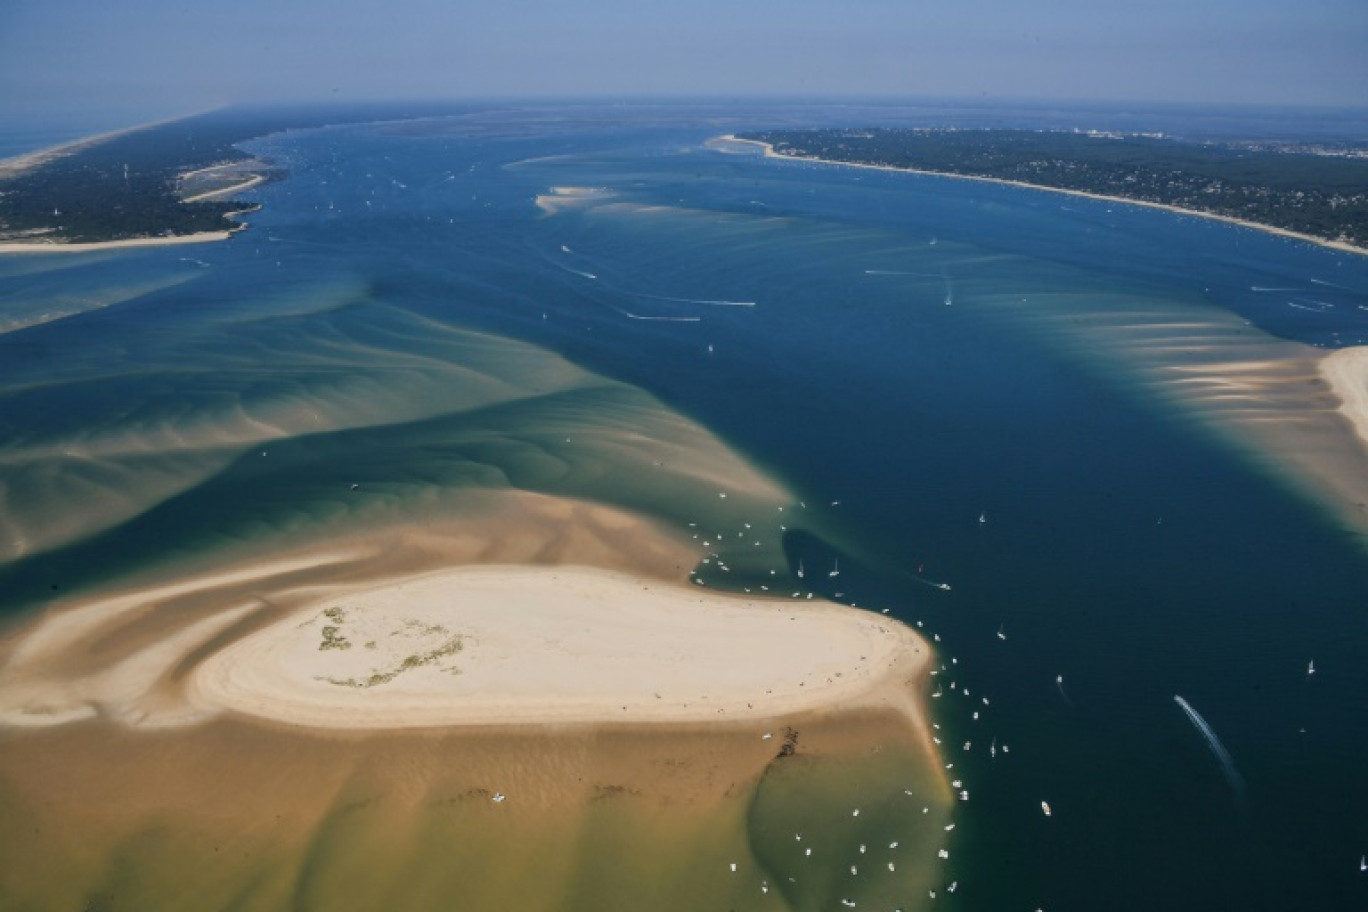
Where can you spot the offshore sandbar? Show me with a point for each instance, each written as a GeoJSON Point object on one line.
{"type": "Point", "coordinates": [497, 645]}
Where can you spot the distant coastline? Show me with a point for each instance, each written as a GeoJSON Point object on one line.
{"type": "Point", "coordinates": [60, 246]}
{"type": "Point", "coordinates": [217, 181]}
{"type": "Point", "coordinates": [769, 151]}
{"type": "Point", "coordinates": [24, 162]}
{"type": "Point", "coordinates": [169, 182]}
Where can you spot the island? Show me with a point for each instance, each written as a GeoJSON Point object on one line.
{"type": "Point", "coordinates": [1316, 191]}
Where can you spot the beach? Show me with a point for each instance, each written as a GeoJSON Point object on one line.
{"type": "Point", "coordinates": [222, 179]}
{"type": "Point", "coordinates": [503, 645]}
{"type": "Point", "coordinates": [80, 247]}
{"type": "Point", "coordinates": [1346, 370]}
{"type": "Point", "coordinates": [318, 641]}
{"type": "Point", "coordinates": [254, 180]}
{"type": "Point", "coordinates": [767, 149]}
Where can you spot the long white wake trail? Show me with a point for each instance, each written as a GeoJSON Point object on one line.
{"type": "Point", "coordinates": [1227, 764]}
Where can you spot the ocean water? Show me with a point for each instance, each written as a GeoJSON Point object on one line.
{"type": "Point", "coordinates": [558, 301]}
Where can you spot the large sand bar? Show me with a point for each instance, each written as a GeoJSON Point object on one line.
{"type": "Point", "coordinates": [1346, 370]}
{"type": "Point", "coordinates": [501, 645]}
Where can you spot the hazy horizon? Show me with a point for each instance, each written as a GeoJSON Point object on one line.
{"type": "Point", "coordinates": [163, 59]}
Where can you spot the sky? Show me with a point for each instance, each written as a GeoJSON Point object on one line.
{"type": "Point", "coordinates": [156, 58]}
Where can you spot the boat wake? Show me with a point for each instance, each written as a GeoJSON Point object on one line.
{"type": "Point", "coordinates": [578, 272]}
{"type": "Point", "coordinates": [944, 587]}
{"type": "Point", "coordinates": [1232, 775]}
{"type": "Point", "coordinates": [708, 301]}
{"type": "Point", "coordinates": [1059, 685]}
{"type": "Point", "coordinates": [635, 316]}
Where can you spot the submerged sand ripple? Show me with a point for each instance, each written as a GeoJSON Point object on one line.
{"type": "Point", "coordinates": [471, 409]}
{"type": "Point", "coordinates": [1297, 414]}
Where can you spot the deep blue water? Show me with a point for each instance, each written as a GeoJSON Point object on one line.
{"type": "Point", "coordinates": [1124, 549]}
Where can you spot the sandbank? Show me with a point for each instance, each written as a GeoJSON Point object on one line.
{"type": "Point", "coordinates": [721, 143]}
{"type": "Point", "coordinates": [562, 198]}
{"type": "Point", "coordinates": [254, 180]}
{"type": "Point", "coordinates": [1280, 404]}
{"type": "Point", "coordinates": [222, 179]}
{"type": "Point", "coordinates": [124, 652]}
{"type": "Point", "coordinates": [1346, 370]}
{"type": "Point", "coordinates": [497, 645]}
{"type": "Point", "coordinates": [319, 795]}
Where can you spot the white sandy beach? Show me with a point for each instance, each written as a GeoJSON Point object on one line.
{"type": "Point", "coordinates": [76, 247]}
{"type": "Point", "coordinates": [500, 645]}
{"type": "Point", "coordinates": [1346, 370]}
{"type": "Point", "coordinates": [248, 183]}
{"type": "Point", "coordinates": [767, 149]}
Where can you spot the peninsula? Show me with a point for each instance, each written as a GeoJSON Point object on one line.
{"type": "Point", "coordinates": [128, 187]}
{"type": "Point", "coordinates": [1319, 193]}
{"type": "Point", "coordinates": [167, 182]}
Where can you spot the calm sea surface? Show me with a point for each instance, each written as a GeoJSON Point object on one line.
{"type": "Point", "coordinates": [885, 345]}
